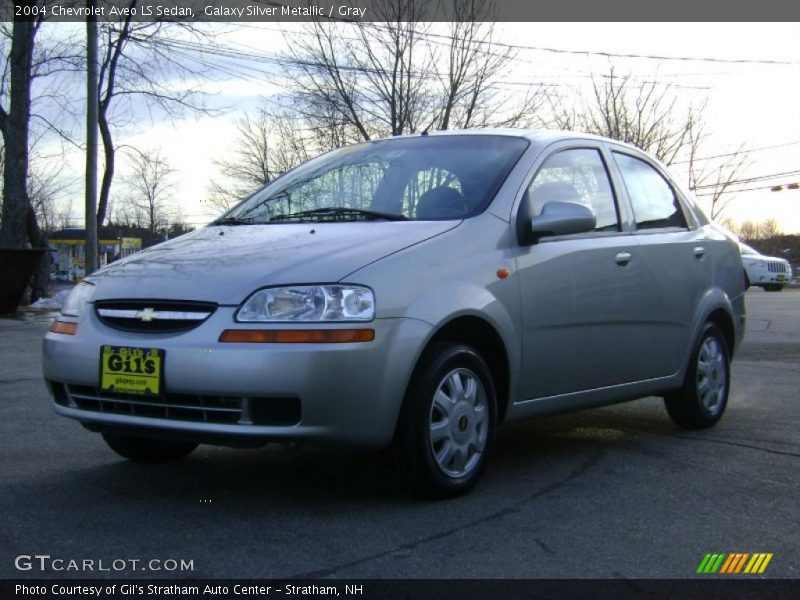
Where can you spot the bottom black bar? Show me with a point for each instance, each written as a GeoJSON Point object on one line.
{"type": "Point", "coordinates": [369, 589]}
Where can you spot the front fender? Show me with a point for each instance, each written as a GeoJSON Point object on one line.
{"type": "Point", "coordinates": [444, 304]}
{"type": "Point", "coordinates": [456, 274]}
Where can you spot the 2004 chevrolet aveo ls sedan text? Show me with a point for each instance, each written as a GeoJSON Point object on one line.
{"type": "Point", "coordinates": [410, 293]}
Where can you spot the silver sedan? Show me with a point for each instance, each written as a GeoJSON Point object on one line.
{"type": "Point", "coordinates": [415, 293]}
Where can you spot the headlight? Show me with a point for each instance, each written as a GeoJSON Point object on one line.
{"type": "Point", "coordinates": [78, 297]}
{"type": "Point", "coordinates": [305, 303]}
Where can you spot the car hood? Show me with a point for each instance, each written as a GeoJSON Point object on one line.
{"type": "Point", "coordinates": [225, 264]}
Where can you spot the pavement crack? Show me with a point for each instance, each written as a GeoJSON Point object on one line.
{"type": "Point", "coordinates": [20, 380]}
{"type": "Point", "coordinates": [591, 461]}
{"type": "Point", "coordinates": [737, 444]}
{"type": "Point", "coordinates": [544, 546]}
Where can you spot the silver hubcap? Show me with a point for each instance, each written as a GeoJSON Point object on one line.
{"type": "Point", "coordinates": [711, 375]}
{"type": "Point", "coordinates": [459, 423]}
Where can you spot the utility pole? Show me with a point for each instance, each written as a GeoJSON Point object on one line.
{"type": "Point", "coordinates": [91, 140]}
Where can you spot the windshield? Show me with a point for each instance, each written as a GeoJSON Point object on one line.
{"type": "Point", "coordinates": [745, 249]}
{"type": "Point", "coordinates": [420, 178]}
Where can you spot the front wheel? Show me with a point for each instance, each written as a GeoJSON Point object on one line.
{"type": "Point", "coordinates": [147, 450]}
{"type": "Point", "coordinates": [446, 427]}
{"type": "Point", "coordinates": [702, 399]}
{"type": "Point", "coordinates": [773, 288]}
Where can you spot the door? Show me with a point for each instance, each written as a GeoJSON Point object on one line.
{"type": "Point", "coordinates": [677, 264]}
{"type": "Point", "coordinates": [581, 295]}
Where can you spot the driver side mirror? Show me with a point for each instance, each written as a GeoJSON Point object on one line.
{"type": "Point", "coordinates": [559, 218]}
{"type": "Point", "coordinates": [561, 215]}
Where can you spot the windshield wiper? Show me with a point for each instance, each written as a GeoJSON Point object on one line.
{"type": "Point", "coordinates": [339, 211]}
{"type": "Point", "coordinates": [234, 221]}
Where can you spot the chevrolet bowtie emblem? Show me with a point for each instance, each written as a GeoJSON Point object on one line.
{"type": "Point", "coordinates": [146, 314]}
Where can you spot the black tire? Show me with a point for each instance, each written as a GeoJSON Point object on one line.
{"type": "Point", "coordinates": [471, 429]}
{"type": "Point", "coordinates": [147, 450]}
{"type": "Point", "coordinates": [773, 288]}
{"type": "Point", "coordinates": [701, 400]}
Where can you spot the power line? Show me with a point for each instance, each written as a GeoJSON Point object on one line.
{"type": "Point", "coordinates": [751, 179]}
{"type": "Point", "coordinates": [712, 59]}
{"type": "Point", "coordinates": [579, 74]}
{"type": "Point", "coordinates": [251, 56]}
{"type": "Point", "coordinates": [750, 189]}
{"type": "Point", "coordinates": [748, 61]}
{"type": "Point", "coordinates": [744, 151]}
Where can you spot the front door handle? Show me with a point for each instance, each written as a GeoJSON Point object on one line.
{"type": "Point", "coordinates": [699, 252]}
{"type": "Point", "coordinates": [622, 259]}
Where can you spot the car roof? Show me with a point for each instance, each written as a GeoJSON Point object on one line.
{"type": "Point", "coordinates": [538, 136]}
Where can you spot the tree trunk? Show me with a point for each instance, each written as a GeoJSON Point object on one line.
{"type": "Point", "coordinates": [108, 171]}
{"type": "Point", "coordinates": [19, 226]}
{"type": "Point", "coordinates": [14, 126]}
{"type": "Point", "coordinates": [40, 283]}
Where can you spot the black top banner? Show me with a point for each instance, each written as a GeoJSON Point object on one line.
{"type": "Point", "coordinates": [395, 10]}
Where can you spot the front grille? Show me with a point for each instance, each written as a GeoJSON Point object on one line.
{"type": "Point", "coordinates": [182, 407]}
{"type": "Point", "coordinates": [153, 316]}
{"type": "Point", "coordinates": [178, 407]}
{"type": "Point", "coordinates": [776, 267]}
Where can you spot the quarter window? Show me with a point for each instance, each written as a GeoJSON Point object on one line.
{"type": "Point", "coordinates": [578, 175]}
{"type": "Point", "coordinates": [654, 202]}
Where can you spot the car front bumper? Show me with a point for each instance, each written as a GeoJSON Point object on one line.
{"type": "Point", "coordinates": [347, 393]}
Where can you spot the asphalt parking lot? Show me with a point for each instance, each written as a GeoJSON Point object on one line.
{"type": "Point", "coordinates": [614, 492]}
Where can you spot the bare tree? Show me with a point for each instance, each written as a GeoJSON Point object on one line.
{"type": "Point", "coordinates": [647, 114]}
{"type": "Point", "coordinates": [770, 228]}
{"type": "Point", "coordinates": [712, 177]}
{"type": "Point", "coordinates": [138, 67]}
{"type": "Point", "coordinates": [469, 72]}
{"type": "Point", "coordinates": [749, 230]}
{"type": "Point", "coordinates": [731, 226]}
{"type": "Point", "coordinates": [268, 144]}
{"type": "Point", "coordinates": [248, 165]}
{"type": "Point", "coordinates": [18, 226]}
{"type": "Point", "coordinates": [357, 81]}
{"type": "Point", "coordinates": [44, 188]}
{"type": "Point", "coordinates": [46, 185]}
{"type": "Point", "coordinates": [151, 183]}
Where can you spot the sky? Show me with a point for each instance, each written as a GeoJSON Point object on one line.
{"type": "Point", "coordinates": [750, 105]}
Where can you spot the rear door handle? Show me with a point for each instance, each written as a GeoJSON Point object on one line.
{"type": "Point", "coordinates": [699, 252]}
{"type": "Point", "coordinates": [622, 259]}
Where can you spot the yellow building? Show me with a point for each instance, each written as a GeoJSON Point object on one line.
{"type": "Point", "coordinates": [68, 251]}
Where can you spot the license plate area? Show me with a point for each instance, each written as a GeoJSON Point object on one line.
{"type": "Point", "coordinates": [131, 370]}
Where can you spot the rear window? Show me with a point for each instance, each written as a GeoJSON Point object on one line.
{"type": "Point", "coordinates": [419, 178]}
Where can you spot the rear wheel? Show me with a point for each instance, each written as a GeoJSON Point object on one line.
{"type": "Point", "coordinates": [147, 450]}
{"type": "Point", "coordinates": [446, 427]}
{"type": "Point", "coordinates": [702, 399]}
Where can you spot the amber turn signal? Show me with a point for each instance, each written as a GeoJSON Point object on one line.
{"type": "Point", "coordinates": [63, 327]}
{"type": "Point", "coordinates": [296, 336]}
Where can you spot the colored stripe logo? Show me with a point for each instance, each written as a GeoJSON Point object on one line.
{"type": "Point", "coordinates": [734, 563]}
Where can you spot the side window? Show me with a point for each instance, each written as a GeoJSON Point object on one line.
{"type": "Point", "coordinates": [580, 176]}
{"type": "Point", "coordinates": [654, 202]}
